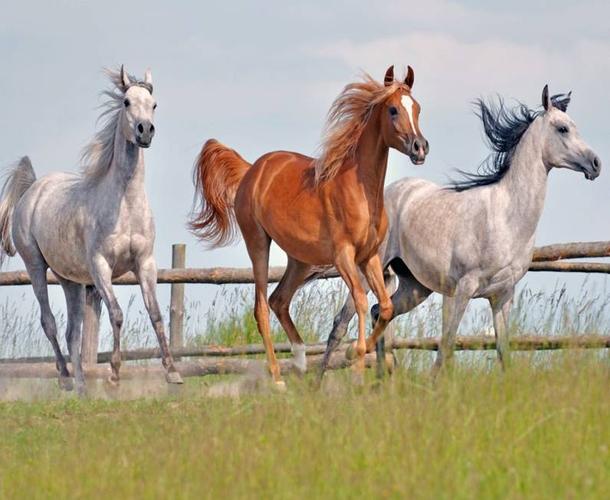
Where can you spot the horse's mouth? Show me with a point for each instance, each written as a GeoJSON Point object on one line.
{"type": "Point", "coordinates": [590, 173]}
{"type": "Point", "coordinates": [417, 161]}
{"type": "Point", "coordinates": [143, 144]}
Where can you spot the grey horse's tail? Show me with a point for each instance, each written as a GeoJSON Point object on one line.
{"type": "Point", "coordinates": [17, 181]}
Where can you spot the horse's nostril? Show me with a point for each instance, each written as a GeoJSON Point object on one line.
{"type": "Point", "coordinates": [152, 128]}
{"type": "Point", "coordinates": [596, 162]}
{"type": "Point", "coordinates": [140, 128]}
{"type": "Point", "coordinates": [427, 145]}
{"type": "Point", "coordinates": [416, 146]}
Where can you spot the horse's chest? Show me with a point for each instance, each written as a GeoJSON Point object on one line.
{"type": "Point", "coordinates": [129, 239]}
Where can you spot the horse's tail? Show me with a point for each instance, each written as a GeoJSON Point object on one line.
{"type": "Point", "coordinates": [17, 181]}
{"type": "Point", "coordinates": [217, 174]}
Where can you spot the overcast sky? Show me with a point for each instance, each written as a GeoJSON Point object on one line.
{"type": "Point", "coordinates": [260, 76]}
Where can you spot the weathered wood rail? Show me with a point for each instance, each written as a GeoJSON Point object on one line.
{"type": "Point", "coordinates": [544, 259]}
{"type": "Point", "coordinates": [463, 343]}
{"type": "Point", "coordinates": [218, 360]}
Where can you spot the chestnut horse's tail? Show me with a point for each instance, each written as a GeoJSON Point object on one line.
{"type": "Point", "coordinates": [217, 174]}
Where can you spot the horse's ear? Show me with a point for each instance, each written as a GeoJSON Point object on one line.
{"type": "Point", "coordinates": [148, 76]}
{"type": "Point", "coordinates": [561, 101]}
{"type": "Point", "coordinates": [388, 79]}
{"type": "Point", "coordinates": [124, 79]}
{"type": "Point", "coordinates": [410, 78]}
{"type": "Point", "coordinates": [546, 100]}
{"type": "Point", "coordinates": [148, 79]}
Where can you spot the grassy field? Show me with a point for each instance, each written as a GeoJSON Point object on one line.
{"type": "Point", "coordinates": [535, 432]}
{"type": "Point", "coordinates": [539, 431]}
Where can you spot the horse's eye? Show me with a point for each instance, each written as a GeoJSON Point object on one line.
{"type": "Point", "coordinates": [393, 111]}
{"type": "Point", "coordinates": [562, 129]}
{"type": "Point", "coordinates": [154, 106]}
{"type": "Point", "coordinates": [126, 102]}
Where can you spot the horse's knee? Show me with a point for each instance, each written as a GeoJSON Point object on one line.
{"type": "Point", "coordinates": [155, 317]}
{"type": "Point", "coordinates": [116, 317]}
{"type": "Point", "coordinates": [261, 314]}
{"type": "Point", "coordinates": [48, 324]}
{"type": "Point", "coordinates": [385, 310]}
{"type": "Point", "coordinates": [276, 304]}
{"type": "Point", "coordinates": [360, 301]}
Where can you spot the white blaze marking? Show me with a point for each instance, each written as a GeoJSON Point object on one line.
{"type": "Point", "coordinates": [408, 104]}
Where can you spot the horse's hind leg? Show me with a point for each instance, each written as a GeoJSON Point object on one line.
{"type": "Point", "coordinates": [500, 307]}
{"type": "Point", "coordinates": [295, 274]}
{"type": "Point", "coordinates": [408, 295]}
{"type": "Point", "coordinates": [257, 243]}
{"type": "Point", "coordinates": [340, 324]}
{"type": "Point", "coordinates": [38, 274]}
{"type": "Point", "coordinates": [453, 311]}
{"type": "Point", "coordinates": [75, 300]}
{"type": "Point", "coordinates": [147, 275]}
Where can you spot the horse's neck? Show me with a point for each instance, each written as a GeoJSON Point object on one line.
{"type": "Point", "coordinates": [127, 169]}
{"type": "Point", "coordinates": [371, 162]}
{"type": "Point", "coordinates": [524, 185]}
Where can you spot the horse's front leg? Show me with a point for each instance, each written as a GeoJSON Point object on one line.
{"type": "Point", "coordinates": [147, 276]}
{"type": "Point", "coordinates": [102, 278]}
{"type": "Point", "coordinates": [373, 272]}
{"type": "Point", "coordinates": [500, 307]}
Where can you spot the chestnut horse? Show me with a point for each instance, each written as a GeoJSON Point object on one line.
{"type": "Point", "coordinates": [321, 212]}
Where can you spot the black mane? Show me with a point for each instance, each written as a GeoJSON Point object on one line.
{"type": "Point", "coordinates": [503, 128]}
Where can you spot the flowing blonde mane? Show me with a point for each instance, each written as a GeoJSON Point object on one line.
{"type": "Point", "coordinates": [346, 120]}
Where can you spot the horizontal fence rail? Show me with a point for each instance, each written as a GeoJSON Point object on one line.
{"type": "Point", "coordinates": [463, 343]}
{"type": "Point", "coordinates": [544, 259]}
{"type": "Point", "coordinates": [578, 250]}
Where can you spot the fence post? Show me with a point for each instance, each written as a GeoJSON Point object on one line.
{"type": "Point", "coordinates": [91, 325]}
{"type": "Point", "coordinates": [176, 309]}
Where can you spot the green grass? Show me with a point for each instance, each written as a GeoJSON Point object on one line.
{"type": "Point", "coordinates": [536, 432]}
{"type": "Point", "coordinates": [540, 431]}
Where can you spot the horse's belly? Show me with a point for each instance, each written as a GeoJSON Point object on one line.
{"type": "Point", "coordinates": [502, 281]}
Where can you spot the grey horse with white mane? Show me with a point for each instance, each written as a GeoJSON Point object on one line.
{"type": "Point", "coordinates": [476, 238]}
{"type": "Point", "coordinates": [91, 227]}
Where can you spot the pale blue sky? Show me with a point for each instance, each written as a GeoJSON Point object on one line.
{"type": "Point", "coordinates": [260, 76]}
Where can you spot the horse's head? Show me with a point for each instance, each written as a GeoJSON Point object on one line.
{"type": "Point", "coordinates": [562, 145]}
{"type": "Point", "coordinates": [138, 109]}
{"type": "Point", "coordinates": [400, 119]}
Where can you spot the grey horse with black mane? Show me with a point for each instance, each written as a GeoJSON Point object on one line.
{"type": "Point", "coordinates": [476, 238]}
{"type": "Point", "coordinates": [91, 227]}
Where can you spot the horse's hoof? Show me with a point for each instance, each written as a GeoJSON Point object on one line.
{"type": "Point", "coordinates": [65, 383]}
{"type": "Point", "coordinates": [173, 378]}
{"type": "Point", "coordinates": [350, 352]}
{"type": "Point", "coordinates": [112, 382]}
{"type": "Point", "coordinates": [279, 386]}
{"type": "Point", "coordinates": [81, 390]}
{"type": "Point", "coordinates": [299, 368]}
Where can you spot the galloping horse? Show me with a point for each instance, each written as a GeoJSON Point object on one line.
{"type": "Point", "coordinates": [321, 212]}
{"type": "Point", "coordinates": [92, 227]}
{"type": "Point", "coordinates": [476, 238]}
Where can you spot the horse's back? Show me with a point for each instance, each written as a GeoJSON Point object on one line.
{"type": "Point", "coordinates": [407, 190]}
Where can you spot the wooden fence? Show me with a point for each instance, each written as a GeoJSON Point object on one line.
{"type": "Point", "coordinates": [220, 359]}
